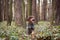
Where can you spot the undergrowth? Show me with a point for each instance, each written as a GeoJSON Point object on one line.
{"type": "Point", "coordinates": [42, 29]}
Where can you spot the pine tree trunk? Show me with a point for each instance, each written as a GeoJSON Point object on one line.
{"type": "Point", "coordinates": [38, 10]}
{"type": "Point", "coordinates": [6, 9]}
{"type": "Point", "coordinates": [29, 3]}
{"type": "Point", "coordinates": [23, 13]}
{"type": "Point", "coordinates": [44, 9]}
{"type": "Point", "coordinates": [0, 12]}
{"type": "Point", "coordinates": [34, 13]}
{"type": "Point", "coordinates": [53, 11]}
{"type": "Point", "coordinates": [49, 10]}
{"type": "Point", "coordinates": [10, 13]}
{"type": "Point", "coordinates": [18, 12]}
{"type": "Point", "coordinates": [57, 12]}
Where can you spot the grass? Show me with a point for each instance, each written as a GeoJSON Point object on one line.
{"type": "Point", "coordinates": [18, 33]}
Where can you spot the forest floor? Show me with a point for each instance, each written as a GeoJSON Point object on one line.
{"type": "Point", "coordinates": [43, 30]}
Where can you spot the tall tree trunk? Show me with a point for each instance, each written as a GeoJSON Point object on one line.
{"type": "Point", "coordinates": [49, 10]}
{"type": "Point", "coordinates": [53, 11]}
{"type": "Point", "coordinates": [23, 13]}
{"type": "Point", "coordinates": [57, 12]}
{"type": "Point", "coordinates": [10, 12]}
{"type": "Point", "coordinates": [38, 10]}
{"type": "Point", "coordinates": [34, 13]}
{"type": "Point", "coordinates": [29, 3]}
{"type": "Point", "coordinates": [13, 10]}
{"type": "Point", "coordinates": [44, 9]}
{"type": "Point", "coordinates": [18, 12]}
{"type": "Point", "coordinates": [6, 9]}
{"type": "Point", "coordinates": [0, 12]}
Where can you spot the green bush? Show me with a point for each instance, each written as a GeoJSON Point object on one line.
{"type": "Point", "coordinates": [42, 30]}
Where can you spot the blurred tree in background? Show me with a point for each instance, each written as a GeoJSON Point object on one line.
{"type": "Point", "coordinates": [42, 10]}
{"type": "Point", "coordinates": [18, 12]}
{"type": "Point", "coordinates": [14, 15]}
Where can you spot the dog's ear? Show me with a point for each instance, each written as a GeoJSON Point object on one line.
{"type": "Point", "coordinates": [28, 19]}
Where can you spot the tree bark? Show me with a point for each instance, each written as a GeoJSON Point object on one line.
{"type": "Point", "coordinates": [23, 14]}
{"type": "Point", "coordinates": [0, 12]}
{"type": "Point", "coordinates": [53, 11]}
{"type": "Point", "coordinates": [18, 12]}
{"type": "Point", "coordinates": [6, 9]}
{"type": "Point", "coordinates": [38, 10]}
{"type": "Point", "coordinates": [29, 3]}
{"type": "Point", "coordinates": [9, 19]}
{"type": "Point", "coordinates": [44, 9]}
{"type": "Point", "coordinates": [57, 18]}
{"type": "Point", "coordinates": [49, 10]}
{"type": "Point", "coordinates": [34, 13]}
